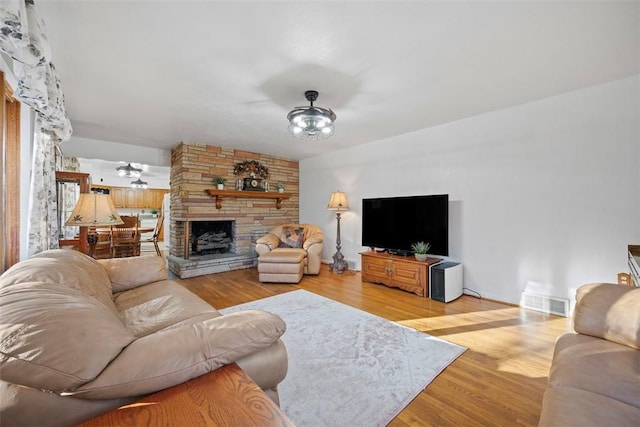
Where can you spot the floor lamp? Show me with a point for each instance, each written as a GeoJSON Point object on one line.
{"type": "Point", "coordinates": [338, 202]}
{"type": "Point", "coordinates": [94, 210]}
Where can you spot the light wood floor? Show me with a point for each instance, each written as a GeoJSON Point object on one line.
{"type": "Point", "coordinates": [498, 381]}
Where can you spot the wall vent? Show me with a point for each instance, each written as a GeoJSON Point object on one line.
{"type": "Point", "coordinates": [545, 303]}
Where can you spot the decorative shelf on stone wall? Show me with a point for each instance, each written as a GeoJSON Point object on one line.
{"type": "Point", "coordinates": [219, 194]}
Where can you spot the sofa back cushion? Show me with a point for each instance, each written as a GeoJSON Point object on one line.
{"type": "Point", "coordinates": [128, 273]}
{"type": "Point", "coordinates": [609, 311]}
{"type": "Point", "coordinates": [55, 337]}
{"type": "Point", "coordinates": [65, 267]}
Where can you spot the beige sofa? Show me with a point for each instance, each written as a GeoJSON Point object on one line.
{"type": "Point", "coordinates": [595, 374]}
{"type": "Point", "coordinates": [79, 337]}
{"type": "Point", "coordinates": [310, 246]}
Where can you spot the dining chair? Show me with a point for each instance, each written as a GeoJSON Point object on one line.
{"type": "Point", "coordinates": [103, 246]}
{"type": "Point", "coordinates": [125, 238]}
{"type": "Point", "coordinates": [156, 234]}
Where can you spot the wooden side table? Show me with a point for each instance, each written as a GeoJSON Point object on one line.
{"type": "Point", "coordinates": [224, 397]}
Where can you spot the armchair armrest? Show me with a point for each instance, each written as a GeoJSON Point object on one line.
{"type": "Point", "coordinates": [313, 245]}
{"type": "Point", "coordinates": [312, 240]}
{"type": "Point", "coordinates": [609, 311]}
{"type": "Point", "coordinates": [267, 243]}
{"type": "Point", "coordinates": [175, 355]}
{"type": "Point", "coordinates": [271, 240]}
{"type": "Point", "coordinates": [127, 273]}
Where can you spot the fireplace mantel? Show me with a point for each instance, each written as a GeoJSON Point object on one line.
{"type": "Point", "coordinates": [219, 194]}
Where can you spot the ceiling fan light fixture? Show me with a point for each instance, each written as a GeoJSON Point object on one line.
{"type": "Point", "coordinates": [311, 122]}
{"type": "Point", "coordinates": [138, 183]}
{"type": "Point", "coordinates": [129, 171]}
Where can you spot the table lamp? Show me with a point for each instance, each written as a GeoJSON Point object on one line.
{"type": "Point", "coordinates": [338, 202]}
{"type": "Point", "coordinates": [94, 210]}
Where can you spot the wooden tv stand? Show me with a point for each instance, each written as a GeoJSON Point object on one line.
{"type": "Point", "coordinates": [396, 271]}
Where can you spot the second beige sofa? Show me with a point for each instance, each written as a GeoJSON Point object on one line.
{"type": "Point", "coordinates": [595, 372]}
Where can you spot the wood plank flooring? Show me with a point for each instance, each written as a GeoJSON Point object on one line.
{"type": "Point", "coordinates": [498, 381]}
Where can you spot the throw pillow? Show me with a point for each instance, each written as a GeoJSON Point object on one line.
{"type": "Point", "coordinates": [291, 237]}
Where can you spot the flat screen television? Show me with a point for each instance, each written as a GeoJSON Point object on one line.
{"type": "Point", "coordinates": [394, 223]}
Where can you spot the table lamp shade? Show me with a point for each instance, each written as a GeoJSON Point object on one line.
{"type": "Point", "coordinates": [338, 201]}
{"type": "Point", "coordinates": [93, 210]}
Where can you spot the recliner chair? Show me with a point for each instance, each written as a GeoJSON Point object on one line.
{"type": "Point", "coordinates": [289, 238]}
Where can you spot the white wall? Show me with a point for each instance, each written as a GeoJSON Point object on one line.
{"type": "Point", "coordinates": [544, 195]}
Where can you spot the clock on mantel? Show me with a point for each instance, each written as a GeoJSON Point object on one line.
{"type": "Point", "coordinates": [253, 184]}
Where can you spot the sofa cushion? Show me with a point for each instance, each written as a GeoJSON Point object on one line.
{"type": "Point", "coordinates": [571, 407]}
{"type": "Point", "coordinates": [131, 272]}
{"type": "Point", "coordinates": [598, 366]}
{"type": "Point", "coordinates": [148, 309]}
{"type": "Point", "coordinates": [54, 337]}
{"type": "Point", "coordinates": [175, 355]}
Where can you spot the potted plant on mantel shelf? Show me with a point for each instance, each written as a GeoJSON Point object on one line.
{"type": "Point", "coordinates": [420, 250]}
{"type": "Point", "coordinates": [219, 181]}
{"type": "Point", "coordinates": [280, 187]}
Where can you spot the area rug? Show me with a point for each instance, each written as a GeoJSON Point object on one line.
{"type": "Point", "coordinates": [348, 367]}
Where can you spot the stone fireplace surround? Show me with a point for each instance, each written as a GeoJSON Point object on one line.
{"type": "Point", "coordinates": [193, 168]}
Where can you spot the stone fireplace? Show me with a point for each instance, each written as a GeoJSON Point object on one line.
{"type": "Point", "coordinates": [240, 221]}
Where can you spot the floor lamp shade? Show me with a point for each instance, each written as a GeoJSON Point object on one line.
{"type": "Point", "coordinates": [338, 202]}
{"type": "Point", "coordinates": [94, 210]}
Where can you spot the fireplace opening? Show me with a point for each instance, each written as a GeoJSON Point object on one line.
{"type": "Point", "coordinates": [211, 237]}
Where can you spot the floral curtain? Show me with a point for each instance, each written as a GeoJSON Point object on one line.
{"type": "Point", "coordinates": [42, 228]}
{"type": "Point", "coordinates": [22, 36]}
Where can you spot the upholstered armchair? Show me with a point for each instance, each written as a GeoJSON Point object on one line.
{"type": "Point", "coordinates": [303, 238]}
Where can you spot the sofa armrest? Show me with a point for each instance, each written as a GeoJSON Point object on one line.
{"type": "Point", "coordinates": [609, 311]}
{"type": "Point", "coordinates": [175, 355]}
{"type": "Point", "coordinates": [128, 273]}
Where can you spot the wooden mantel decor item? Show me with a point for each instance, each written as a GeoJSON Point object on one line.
{"type": "Point", "coordinates": [219, 194]}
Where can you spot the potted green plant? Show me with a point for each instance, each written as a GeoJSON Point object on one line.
{"type": "Point", "coordinates": [280, 187]}
{"type": "Point", "coordinates": [219, 181]}
{"type": "Point", "coordinates": [154, 212]}
{"type": "Point", "coordinates": [420, 250]}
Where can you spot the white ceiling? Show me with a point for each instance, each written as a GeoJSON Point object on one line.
{"type": "Point", "coordinates": [226, 73]}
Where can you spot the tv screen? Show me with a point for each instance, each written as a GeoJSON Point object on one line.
{"type": "Point", "coordinates": [394, 223]}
